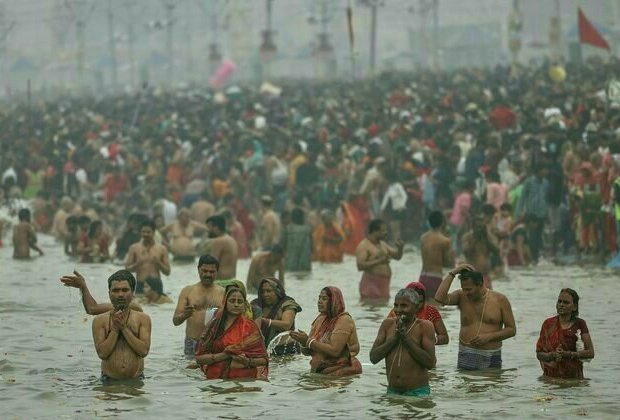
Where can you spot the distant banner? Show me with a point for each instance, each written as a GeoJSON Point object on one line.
{"type": "Point", "coordinates": [222, 74]}
{"type": "Point", "coordinates": [613, 92]}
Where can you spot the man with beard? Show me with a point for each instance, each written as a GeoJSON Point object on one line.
{"type": "Point", "coordinates": [222, 246]}
{"type": "Point", "coordinates": [122, 336]}
{"type": "Point", "coordinates": [196, 300]}
{"type": "Point", "coordinates": [147, 258]}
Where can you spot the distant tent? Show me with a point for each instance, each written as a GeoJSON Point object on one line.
{"type": "Point", "coordinates": [23, 64]}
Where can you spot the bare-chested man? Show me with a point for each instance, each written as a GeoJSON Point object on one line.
{"type": "Point", "coordinates": [373, 256]}
{"type": "Point", "coordinates": [486, 318]}
{"type": "Point", "coordinates": [201, 210]}
{"type": "Point", "coordinates": [122, 336]}
{"type": "Point", "coordinates": [436, 254]}
{"type": "Point", "coordinates": [196, 300]}
{"type": "Point", "coordinates": [270, 224]}
{"type": "Point", "coordinates": [265, 264]}
{"type": "Point", "coordinates": [223, 247]}
{"type": "Point", "coordinates": [197, 303]}
{"type": "Point", "coordinates": [408, 346]}
{"type": "Point", "coordinates": [479, 245]}
{"type": "Point", "coordinates": [24, 237]}
{"type": "Point", "coordinates": [59, 226]}
{"type": "Point", "coordinates": [183, 231]}
{"type": "Point", "coordinates": [147, 258]}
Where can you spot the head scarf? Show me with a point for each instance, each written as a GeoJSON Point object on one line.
{"type": "Point", "coordinates": [335, 309]}
{"type": "Point", "coordinates": [277, 306]}
{"type": "Point", "coordinates": [215, 328]}
{"type": "Point", "coordinates": [249, 314]}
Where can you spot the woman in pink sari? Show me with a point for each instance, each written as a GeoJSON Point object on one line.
{"type": "Point", "coordinates": [332, 342]}
{"type": "Point", "coordinates": [559, 348]}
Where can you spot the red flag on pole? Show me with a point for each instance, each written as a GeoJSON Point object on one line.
{"type": "Point", "coordinates": [588, 33]}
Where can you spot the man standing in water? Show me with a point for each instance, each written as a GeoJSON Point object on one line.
{"type": "Point", "coordinates": [270, 224]}
{"type": "Point", "coordinates": [408, 346]}
{"type": "Point", "coordinates": [436, 254]}
{"type": "Point", "coordinates": [24, 237]}
{"type": "Point", "coordinates": [486, 318]}
{"type": "Point", "coordinates": [147, 258]}
{"type": "Point", "coordinates": [122, 336]}
{"type": "Point", "coordinates": [373, 258]}
{"type": "Point", "coordinates": [195, 300]}
{"type": "Point", "coordinates": [223, 247]}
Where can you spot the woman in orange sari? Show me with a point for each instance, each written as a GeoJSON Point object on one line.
{"type": "Point", "coordinates": [231, 346]}
{"type": "Point", "coordinates": [328, 238]}
{"type": "Point", "coordinates": [332, 342]}
{"type": "Point", "coordinates": [564, 340]}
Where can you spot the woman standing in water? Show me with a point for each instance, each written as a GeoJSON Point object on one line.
{"type": "Point", "coordinates": [564, 340]}
{"type": "Point", "coordinates": [279, 312]}
{"type": "Point", "coordinates": [231, 345]}
{"type": "Point", "coordinates": [332, 342]}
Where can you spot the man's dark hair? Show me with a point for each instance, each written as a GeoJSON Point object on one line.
{"type": "Point", "coordinates": [148, 223]}
{"type": "Point", "coordinates": [297, 216]}
{"type": "Point", "coordinates": [375, 225]}
{"type": "Point", "coordinates": [208, 260]}
{"type": "Point", "coordinates": [277, 249]}
{"type": "Point", "coordinates": [83, 220]}
{"type": "Point", "coordinates": [488, 209]}
{"type": "Point", "coordinates": [156, 284]}
{"type": "Point", "coordinates": [218, 221]}
{"type": "Point", "coordinates": [474, 276]}
{"type": "Point", "coordinates": [122, 275]}
{"type": "Point", "coordinates": [24, 215]}
{"type": "Point", "coordinates": [435, 219]}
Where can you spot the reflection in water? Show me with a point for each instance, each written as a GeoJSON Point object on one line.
{"type": "Point", "coordinates": [314, 381]}
{"type": "Point", "coordinates": [63, 373]}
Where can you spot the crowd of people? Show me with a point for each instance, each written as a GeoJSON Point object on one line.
{"type": "Point", "coordinates": [499, 167]}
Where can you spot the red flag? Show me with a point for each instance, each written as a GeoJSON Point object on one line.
{"type": "Point", "coordinates": [588, 33]}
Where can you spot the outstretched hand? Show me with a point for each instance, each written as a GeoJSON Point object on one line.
{"type": "Point", "coordinates": [76, 280]}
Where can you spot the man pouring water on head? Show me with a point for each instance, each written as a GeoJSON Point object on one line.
{"type": "Point", "coordinates": [486, 318]}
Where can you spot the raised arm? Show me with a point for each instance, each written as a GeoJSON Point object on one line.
{"type": "Point", "coordinates": [183, 310]}
{"type": "Point", "coordinates": [442, 296]}
{"type": "Point", "coordinates": [364, 262]}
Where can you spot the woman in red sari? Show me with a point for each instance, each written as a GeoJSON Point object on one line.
{"type": "Point", "coordinates": [231, 345]}
{"type": "Point", "coordinates": [332, 342]}
{"type": "Point", "coordinates": [560, 336]}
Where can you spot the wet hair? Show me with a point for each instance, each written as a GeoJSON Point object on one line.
{"type": "Point", "coordinates": [375, 225]}
{"type": "Point", "coordinates": [297, 216]}
{"type": "Point", "coordinates": [148, 223]}
{"type": "Point", "coordinates": [475, 276]}
{"type": "Point", "coordinates": [23, 215]}
{"type": "Point", "coordinates": [411, 294]}
{"type": "Point", "coordinates": [575, 297]}
{"type": "Point", "coordinates": [435, 219]}
{"type": "Point", "coordinates": [277, 249]}
{"type": "Point", "coordinates": [506, 207]}
{"type": "Point", "coordinates": [122, 275]}
{"type": "Point", "coordinates": [208, 260]}
{"type": "Point", "coordinates": [218, 221]}
{"type": "Point", "coordinates": [72, 220]}
{"type": "Point", "coordinates": [156, 284]}
{"type": "Point", "coordinates": [488, 209]}
{"type": "Point", "coordinates": [92, 229]}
